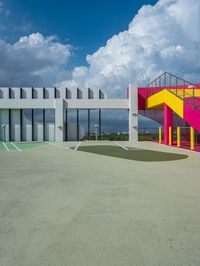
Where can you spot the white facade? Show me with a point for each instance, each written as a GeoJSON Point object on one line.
{"type": "Point", "coordinates": [18, 107]}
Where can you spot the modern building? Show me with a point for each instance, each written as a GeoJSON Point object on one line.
{"type": "Point", "coordinates": [20, 106]}
{"type": "Point", "coordinates": [169, 100]}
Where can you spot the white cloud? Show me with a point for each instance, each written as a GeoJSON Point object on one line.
{"type": "Point", "coordinates": [163, 37]}
{"type": "Point", "coordinates": [34, 60]}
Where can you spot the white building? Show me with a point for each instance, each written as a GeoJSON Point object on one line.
{"type": "Point", "coordinates": [18, 107]}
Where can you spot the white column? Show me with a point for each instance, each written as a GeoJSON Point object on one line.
{"type": "Point", "coordinates": [15, 125]}
{"type": "Point", "coordinates": [133, 112]}
{"type": "Point", "coordinates": [4, 121]}
{"type": "Point", "coordinates": [59, 117]}
{"type": "Point", "coordinates": [49, 131]}
{"type": "Point", "coordinates": [38, 131]}
{"type": "Point", "coordinates": [27, 125]}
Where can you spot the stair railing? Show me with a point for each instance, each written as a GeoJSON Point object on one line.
{"type": "Point", "coordinates": [165, 81]}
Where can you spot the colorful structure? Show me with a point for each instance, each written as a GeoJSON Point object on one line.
{"type": "Point", "coordinates": [42, 114]}
{"type": "Point", "coordinates": [172, 95]}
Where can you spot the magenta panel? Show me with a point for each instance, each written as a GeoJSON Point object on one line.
{"type": "Point", "coordinates": [145, 92]}
{"type": "Point", "coordinates": [168, 122]}
{"type": "Point", "coordinates": [192, 116]}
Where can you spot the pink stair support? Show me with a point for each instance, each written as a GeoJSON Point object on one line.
{"type": "Point", "coordinates": [168, 122]}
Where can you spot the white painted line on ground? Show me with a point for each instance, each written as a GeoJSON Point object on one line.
{"type": "Point", "coordinates": [121, 146]}
{"type": "Point", "coordinates": [76, 148]}
{"type": "Point", "coordinates": [15, 146]}
{"type": "Point", "coordinates": [5, 146]}
{"type": "Point", "coordinates": [57, 145]}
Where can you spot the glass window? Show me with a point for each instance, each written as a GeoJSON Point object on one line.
{"type": "Point", "coordinates": [50, 116]}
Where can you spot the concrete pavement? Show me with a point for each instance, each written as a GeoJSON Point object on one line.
{"type": "Point", "coordinates": [64, 207]}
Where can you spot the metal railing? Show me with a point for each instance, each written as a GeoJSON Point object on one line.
{"type": "Point", "coordinates": [110, 136]}
{"type": "Point", "coordinates": [182, 137]}
{"type": "Point", "coordinates": [148, 134]}
{"type": "Point", "coordinates": [177, 86]}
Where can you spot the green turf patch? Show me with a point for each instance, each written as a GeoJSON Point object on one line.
{"type": "Point", "coordinates": [133, 154]}
{"type": "Point", "coordinates": [10, 146]}
{"type": "Point", "coordinates": [1, 146]}
{"type": "Point", "coordinates": [29, 145]}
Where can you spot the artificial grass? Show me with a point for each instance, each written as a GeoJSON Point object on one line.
{"type": "Point", "coordinates": [29, 145]}
{"type": "Point", "coordinates": [1, 146]}
{"type": "Point", "coordinates": [132, 154]}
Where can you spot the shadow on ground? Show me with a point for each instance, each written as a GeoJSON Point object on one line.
{"type": "Point", "coordinates": [133, 153]}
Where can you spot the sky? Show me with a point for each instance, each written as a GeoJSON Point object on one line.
{"type": "Point", "coordinates": [98, 44]}
{"type": "Point", "coordinates": [86, 25]}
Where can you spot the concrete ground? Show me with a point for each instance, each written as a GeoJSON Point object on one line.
{"type": "Point", "coordinates": [65, 207]}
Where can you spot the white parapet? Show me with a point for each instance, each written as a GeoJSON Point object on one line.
{"type": "Point", "coordinates": [38, 92]}
{"type": "Point", "coordinates": [27, 93]}
{"type": "Point", "coordinates": [5, 93]}
{"type": "Point", "coordinates": [49, 93]}
{"type": "Point", "coordinates": [15, 92]}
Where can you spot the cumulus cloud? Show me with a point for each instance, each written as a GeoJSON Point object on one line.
{"type": "Point", "coordinates": [33, 60]}
{"type": "Point", "coordinates": [163, 37]}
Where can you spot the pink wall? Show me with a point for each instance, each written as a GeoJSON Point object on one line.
{"type": "Point", "coordinates": [168, 122]}
{"type": "Point", "coordinates": [191, 116]}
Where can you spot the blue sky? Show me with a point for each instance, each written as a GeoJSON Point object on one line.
{"type": "Point", "coordinates": [86, 25]}
{"type": "Point", "coordinates": [98, 44]}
